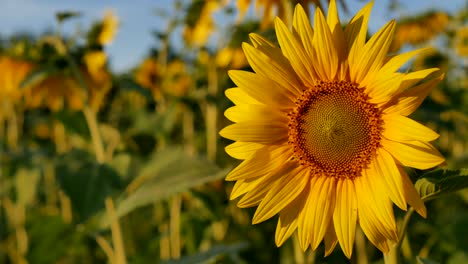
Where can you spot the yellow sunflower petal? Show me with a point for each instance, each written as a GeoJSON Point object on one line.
{"type": "Point", "coordinates": [415, 154]}
{"type": "Point", "coordinates": [254, 84]}
{"type": "Point", "coordinates": [294, 51]}
{"type": "Point", "coordinates": [380, 205]}
{"type": "Point", "coordinates": [345, 215]}
{"type": "Point", "coordinates": [411, 195]}
{"type": "Point", "coordinates": [262, 162]}
{"type": "Point", "coordinates": [244, 186]}
{"type": "Point", "coordinates": [388, 172]}
{"type": "Point", "coordinates": [238, 96]}
{"type": "Point", "coordinates": [249, 112]}
{"type": "Point", "coordinates": [334, 23]}
{"type": "Point", "coordinates": [401, 128]}
{"type": "Point", "coordinates": [264, 65]}
{"type": "Point", "coordinates": [325, 51]}
{"type": "Point", "coordinates": [255, 196]}
{"type": "Point", "coordinates": [318, 211]}
{"type": "Point", "coordinates": [412, 78]}
{"type": "Point", "coordinates": [382, 90]}
{"type": "Point", "coordinates": [270, 49]}
{"type": "Point", "coordinates": [356, 32]}
{"type": "Point", "coordinates": [398, 61]}
{"type": "Point", "coordinates": [285, 190]}
{"type": "Point", "coordinates": [369, 222]}
{"type": "Point", "coordinates": [288, 218]}
{"type": "Point", "coordinates": [372, 56]}
{"type": "Point", "coordinates": [301, 25]}
{"type": "Point", "coordinates": [242, 150]}
{"type": "Point", "coordinates": [330, 240]}
{"type": "Point", "coordinates": [265, 132]}
{"type": "Point", "coordinates": [408, 101]}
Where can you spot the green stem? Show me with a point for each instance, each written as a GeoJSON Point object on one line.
{"type": "Point", "coordinates": [404, 225]}
{"type": "Point", "coordinates": [212, 113]}
{"type": "Point", "coordinates": [93, 127]}
{"type": "Point", "coordinates": [89, 114]}
{"type": "Point", "coordinates": [391, 257]}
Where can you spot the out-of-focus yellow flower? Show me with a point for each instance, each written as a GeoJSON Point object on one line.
{"type": "Point", "coordinates": [95, 61]}
{"type": "Point", "coordinates": [42, 131]}
{"type": "Point", "coordinates": [461, 41]}
{"type": "Point", "coordinates": [419, 30]}
{"type": "Point", "coordinates": [60, 90]}
{"type": "Point", "coordinates": [233, 58]}
{"type": "Point", "coordinates": [54, 92]}
{"type": "Point", "coordinates": [99, 86]}
{"type": "Point", "coordinates": [148, 75]}
{"type": "Point", "coordinates": [199, 30]}
{"type": "Point", "coordinates": [176, 81]}
{"type": "Point", "coordinates": [13, 71]}
{"type": "Point", "coordinates": [109, 28]}
{"type": "Point", "coordinates": [268, 7]}
{"type": "Point", "coordinates": [431, 58]}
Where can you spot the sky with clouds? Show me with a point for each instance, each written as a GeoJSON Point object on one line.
{"type": "Point", "coordinates": [138, 20]}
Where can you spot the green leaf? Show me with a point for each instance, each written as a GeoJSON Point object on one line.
{"type": "Point", "coordinates": [169, 172]}
{"type": "Point", "coordinates": [439, 182]}
{"type": "Point", "coordinates": [210, 255]}
{"type": "Point", "coordinates": [425, 261]}
{"type": "Point", "coordinates": [65, 15]}
{"type": "Point", "coordinates": [38, 76]}
{"type": "Point", "coordinates": [86, 182]}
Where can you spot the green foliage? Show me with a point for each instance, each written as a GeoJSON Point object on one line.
{"type": "Point", "coordinates": [168, 173]}
{"type": "Point", "coordinates": [86, 182]}
{"type": "Point", "coordinates": [170, 199]}
{"type": "Point", "coordinates": [439, 182]}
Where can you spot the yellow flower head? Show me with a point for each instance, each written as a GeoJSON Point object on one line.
{"type": "Point", "coordinates": [461, 41]}
{"type": "Point", "coordinates": [148, 75]}
{"type": "Point", "coordinates": [176, 81]}
{"type": "Point", "coordinates": [268, 7]}
{"type": "Point", "coordinates": [323, 132]}
{"type": "Point", "coordinates": [419, 30]}
{"type": "Point", "coordinates": [199, 29]}
{"type": "Point", "coordinates": [13, 72]}
{"type": "Point", "coordinates": [110, 24]}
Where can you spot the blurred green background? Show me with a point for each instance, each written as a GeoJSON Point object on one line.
{"type": "Point", "coordinates": [123, 164]}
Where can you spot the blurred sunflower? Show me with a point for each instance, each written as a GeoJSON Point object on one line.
{"type": "Point", "coordinates": [97, 78]}
{"type": "Point", "coordinates": [60, 89]}
{"type": "Point", "coordinates": [199, 23]}
{"type": "Point", "coordinates": [461, 41]}
{"type": "Point", "coordinates": [268, 7]}
{"type": "Point", "coordinates": [233, 58]}
{"type": "Point", "coordinates": [55, 92]}
{"type": "Point", "coordinates": [108, 28]}
{"type": "Point", "coordinates": [323, 130]}
{"type": "Point", "coordinates": [177, 81]}
{"type": "Point", "coordinates": [148, 75]}
{"type": "Point", "coordinates": [13, 71]}
{"type": "Point", "coordinates": [420, 29]}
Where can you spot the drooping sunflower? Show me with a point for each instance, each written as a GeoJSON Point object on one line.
{"type": "Point", "coordinates": [322, 128]}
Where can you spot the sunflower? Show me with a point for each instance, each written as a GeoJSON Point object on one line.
{"type": "Point", "coordinates": [268, 7]}
{"type": "Point", "coordinates": [323, 132]}
{"type": "Point", "coordinates": [109, 27]}
{"type": "Point", "coordinates": [13, 71]}
{"type": "Point", "coordinates": [461, 41]}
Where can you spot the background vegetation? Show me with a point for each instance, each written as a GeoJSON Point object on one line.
{"type": "Point", "coordinates": [99, 167]}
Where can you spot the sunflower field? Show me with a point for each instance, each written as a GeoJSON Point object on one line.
{"type": "Point", "coordinates": [252, 131]}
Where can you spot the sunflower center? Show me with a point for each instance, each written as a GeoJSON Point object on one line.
{"type": "Point", "coordinates": [334, 129]}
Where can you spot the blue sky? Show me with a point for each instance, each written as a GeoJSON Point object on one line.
{"type": "Point", "coordinates": [138, 20]}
